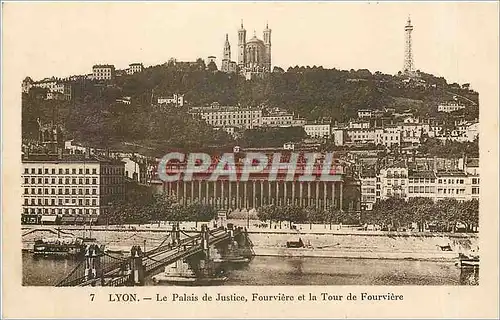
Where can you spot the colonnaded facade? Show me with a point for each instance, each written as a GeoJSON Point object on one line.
{"type": "Point", "coordinates": [255, 193]}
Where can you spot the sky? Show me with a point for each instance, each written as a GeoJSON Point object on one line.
{"type": "Point", "coordinates": [62, 39]}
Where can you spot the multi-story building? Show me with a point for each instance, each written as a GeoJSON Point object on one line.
{"type": "Point", "coordinates": [393, 181]}
{"type": "Point", "coordinates": [365, 113]}
{"type": "Point", "coordinates": [134, 68]}
{"type": "Point", "coordinates": [422, 184]}
{"type": "Point", "coordinates": [413, 132]}
{"type": "Point", "coordinates": [318, 130]}
{"type": "Point", "coordinates": [359, 125]}
{"type": "Point", "coordinates": [361, 135]}
{"type": "Point", "coordinates": [388, 136]}
{"type": "Point", "coordinates": [452, 184]}
{"type": "Point", "coordinates": [176, 100]}
{"type": "Point", "coordinates": [368, 181]}
{"type": "Point", "coordinates": [229, 116]}
{"type": "Point", "coordinates": [103, 72]}
{"type": "Point", "coordinates": [78, 185]}
{"type": "Point", "coordinates": [450, 106]}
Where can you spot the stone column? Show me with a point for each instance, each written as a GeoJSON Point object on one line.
{"type": "Point", "coordinates": [285, 199]}
{"type": "Point", "coordinates": [341, 195]}
{"type": "Point", "coordinates": [253, 196]}
{"type": "Point", "coordinates": [222, 197]}
{"type": "Point", "coordinates": [215, 195]}
{"type": "Point", "coordinates": [230, 197]}
{"type": "Point", "coordinates": [199, 190]}
{"type": "Point", "coordinates": [207, 186]}
{"type": "Point", "coordinates": [245, 196]}
{"type": "Point", "coordinates": [178, 195]}
{"type": "Point", "coordinates": [324, 195]}
{"type": "Point", "coordinates": [238, 204]}
{"type": "Point", "coordinates": [316, 204]}
{"type": "Point", "coordinates": [308, 193]}
{"type": "Point", "coordinates": [184, 192]}
{"type": "Point", "coordinates": [293, 192]}
{"type": "Point", "coordinates": [192, 190]}
{"type": "Point", "coordinates": [301, 194]}
{"type": "Point", "coordinates": [261, 193]}
{"type": "Point", "coordinates": [269, 194]}
{"type": "Point", "coordinates": [333, 195]}
{"type": "Point", "coordinates": [278, 192]}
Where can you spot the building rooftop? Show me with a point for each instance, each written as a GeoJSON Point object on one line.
{"type": "Point", "coordinates": [103, 66]}
{"type": "Point", "coordinates": [422, 174]}
{"type": "Point", "coordinates": [450, 174]}
{"type": "Point", "coordinates": [54, 158]}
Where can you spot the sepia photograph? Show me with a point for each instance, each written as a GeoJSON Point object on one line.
{"type": "Point", "coordinates": [175, 145]}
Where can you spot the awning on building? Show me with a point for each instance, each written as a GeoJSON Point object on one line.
{"type": "Point", "coordinates": [49, 218]}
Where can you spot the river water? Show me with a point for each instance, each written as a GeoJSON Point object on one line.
{"type": "Point", "coordinates": [296, 271]}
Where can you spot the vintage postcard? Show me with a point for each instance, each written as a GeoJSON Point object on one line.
{"type": "Point", "coordinates": [249, 160]}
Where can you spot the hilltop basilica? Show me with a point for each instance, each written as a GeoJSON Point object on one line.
{"type": "Point", "coordinates": [254, 55]}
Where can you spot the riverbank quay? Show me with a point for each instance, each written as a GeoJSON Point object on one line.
{"type": "Point", "coordinates": [319, 240]}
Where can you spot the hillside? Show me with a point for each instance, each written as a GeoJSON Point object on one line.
{"type": "Point", "coordinates": [94, 117]}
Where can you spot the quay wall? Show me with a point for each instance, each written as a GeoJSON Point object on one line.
{"type": "Point", "coordinates": [319, 242]}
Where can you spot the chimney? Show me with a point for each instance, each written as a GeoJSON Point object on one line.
{"type": "Point", "coordinates": [87, 153]}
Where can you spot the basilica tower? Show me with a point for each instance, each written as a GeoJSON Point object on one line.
{"type": "Point", "coordinates": [227, 49]}
{"type": "Point", "coordinates": [242, 39]}
{"type": "Point", "coordinates": [267, 43]}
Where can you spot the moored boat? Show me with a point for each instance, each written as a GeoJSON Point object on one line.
{"type": "Point", "coordinates": [468, 261]}
{"type": "Point", "coordinates": [58, 247]}
{"type": "Point", "coordinates": [188, 280]}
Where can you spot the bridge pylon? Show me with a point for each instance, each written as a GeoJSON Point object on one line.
{"type": "Point", "coordinates": [136, 266]}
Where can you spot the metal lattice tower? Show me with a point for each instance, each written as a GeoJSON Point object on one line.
{"type": "Point", "coordinates": [408, 64]}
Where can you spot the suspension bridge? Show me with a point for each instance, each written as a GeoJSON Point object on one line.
{"type": "Point", "coordinates": [100, 268]}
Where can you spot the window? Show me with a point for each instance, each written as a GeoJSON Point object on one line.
{"type": "Point", "coordinates": [94, 202]}
{"type": "Point", "coordinates": [410, 189]}
{"type": "Point", "coordinates": [94, 191]}
{"type": "Point", "coordinates": [53, 171]}
{"type": "Point", "coordinates": [73, 171]}
{"type": "Point", "coordinates": [53, 202]}
{"type": "Point", "coordinates": [26, 190]}
{"type": "Point", "coordinates": [67, 171]}
{"type": "Point", "coordinates": [80, 181]}
{"type": "Point", "coordinates": [87, 180]}
{"type": "Point", "coordinates": [46, 180]}
{"type": "Point", "coordinates": [53, 181]}
{"type": "Point", "coordinates": [94, 171]}
{"type": "Point", "coordinates": [26, 171]}
{"type": "Point", "coordinates": [73, 180]}
{"type": "Point", "coordinates": [39, 170]}
{"type": "Point", "coordinates": [40, 180]}
{"type": "Point", "coordinates": [475, 190]}
{"type": "Point", "coordinates": [46, 171]}
{"type": "Point", "coordinates": [427, 190]}
{"type": "Point", "coordinates": [66, 191]}
{"type": "Point", "coordinates": [80, 191]}
{"type": "Point", "coordinates": [33, 180]}
{"type": "Point", "coordinates": [87, 171]}
{"type": "Point", "coordinates": [66, 181]}
{"type": "Point", "coordinates": [39, 190]}
{"type": "Point", "coordinates": [87, 202]}
{"type": "Point", "coordinates": [33, 171]}
{"type": "Point", "coordinates": [60, 171]}
{"type": "Point", "coordinates": [60, 201]}
{"type": "Point", "coordinates": [94, 181]}
{"type": "Point", "coordinates": [46, 191]}
{"type": "Point", "coordinates": [422, 189]}
{"type": "Point", "coordinates": [80, 171]}
{"type": "Point", "coordinates": [73, 191]}
{"type": "Point", "coordinates": [80, 202]}
{"type": "Point", "coordinates": [26, 180]}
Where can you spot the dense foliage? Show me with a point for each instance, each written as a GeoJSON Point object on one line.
{"type": "Point", "coordinates": [94, 116]}
{"type": "Point", "coordinates": [143, 207]}
{"type": "Point", "coordinates": [444, 215]}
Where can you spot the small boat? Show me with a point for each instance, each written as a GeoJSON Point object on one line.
{"type": "Point", "coordinates": [188, 280]}
{"type": "Point", "coordinates": [295, 244]}
{"type": "Point", "coordinates": [468, 261]}
{"type": "Point", "coordinates": [61, 247]}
